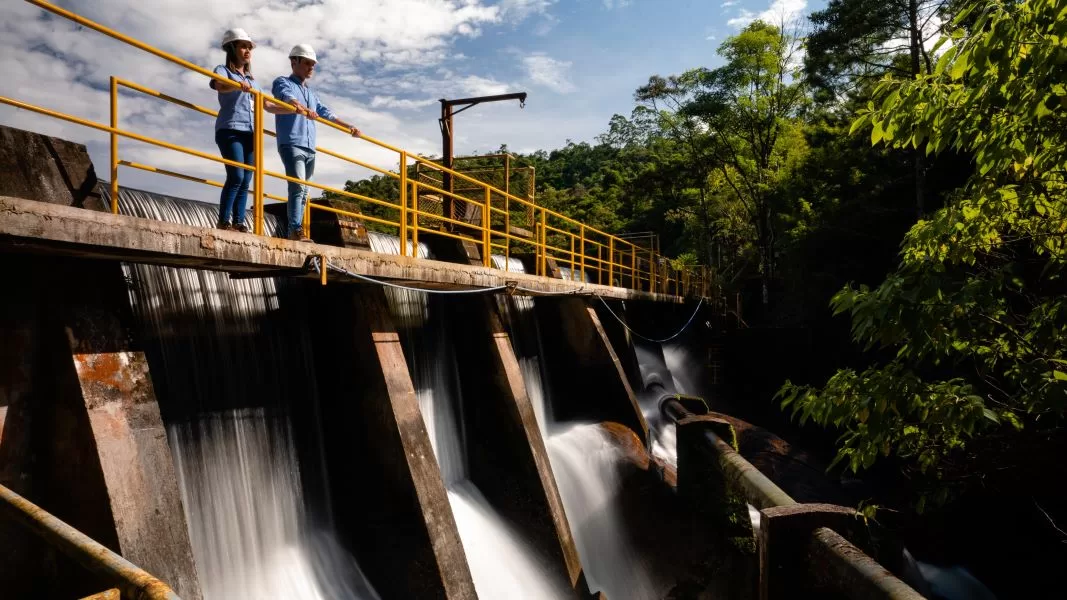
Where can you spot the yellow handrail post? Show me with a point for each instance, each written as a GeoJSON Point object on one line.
{"type": "Point", "coordinates": [306, 225]}
{"type": "Point", "coordinates": [404, 205]}
{"type": "Point", "coordinates": [573, 272]}
{"type": "Point", "coordinates": [507, 233]}
{"type": "Point", "coordinates": [257, 196]}
{"type": "Point", "coordinates": [651, 271]}
{"type": "Point", "coordinates": [114, 146]}
{"type": "Point", "coordinates": [600, 264]}
{"type": "Point", "coordinates": [581, 250]}
{"type": "Point", "coordinates": [611, 261]}
{"type": "Point", "coordinates": [635, 281]}
{"type": "Point", "coordinates": [543, 271]}
{"type": "Point", "coordinates": [487, 257]}
{"type": "Point", "coordinates": [415, 218]}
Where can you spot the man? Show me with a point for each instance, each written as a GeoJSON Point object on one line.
{"type": "Point", "coordinates": [296, 132]}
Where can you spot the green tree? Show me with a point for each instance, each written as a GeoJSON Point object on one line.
{"type": "Point", "coordinates": [741, 120]}
{"type": "Point", "coordinates": [976, 311]}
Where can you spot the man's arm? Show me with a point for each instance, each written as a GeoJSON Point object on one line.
{"type": "Point", "coordinates": [325, 112]}
{"type": "Point", "coordinates": [283, 90]}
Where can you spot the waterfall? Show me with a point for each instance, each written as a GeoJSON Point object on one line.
{"type": "Point", "coordinates": [232, 370]}
{"type": "Point", "coordinates": [585, 464]}
{"type": "Point", "coordinates": [501, 563]}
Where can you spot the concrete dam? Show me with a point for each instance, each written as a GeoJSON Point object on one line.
{"type": "Point", "coordinates": [446, 395]}
{"type": "Point", "coordinates": [214, 422]}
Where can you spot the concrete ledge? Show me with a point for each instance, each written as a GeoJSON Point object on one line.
{"type": "Point", "coordinates": [37, 227]}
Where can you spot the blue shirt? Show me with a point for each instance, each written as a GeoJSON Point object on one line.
{"type": "Point", "coordinates": [294, 129]}
{"type": "Point", "coordinates": [235, 106]}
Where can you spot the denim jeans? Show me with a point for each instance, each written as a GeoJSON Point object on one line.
{"type": "Point", "coordinates": [299, 163]}
{"type": "Point", "coordinates": [237, 146]}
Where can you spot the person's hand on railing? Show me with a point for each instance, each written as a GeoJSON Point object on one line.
{"type": "Point", "coordinates": [356, 132]}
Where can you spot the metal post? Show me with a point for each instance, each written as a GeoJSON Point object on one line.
{"type": "Point", "coordinates": [581, 250]}
{"type": "Point", "coordinates": [257, 197]}
{"type": "Point", "coordinates": [635, 281]}
{"type": "Point", "coordinates": [651, 271]}
{"type": "Point", "coordinates": [544, 245]}
{"type": "Point", "coordinates": [415, 218]}
{"type": "Point", "coordinates": [403, 204]}
{"type": "Point", "coordinates": [572, 257]}
{"type": "Point", "coordinates": [114, 146]}
{"type": "Point", "coordinates": [507, 173]}
{"type": "Point", "coordinates": [507, 233]}
{"type": "Point", "coordinates": [611, 261]}
{"type": "Point", "coordinates": [487, 257]}
{"type": "Point", "coordinates": [447, 160]}
{"type": "Point", "coordinates": [600, 264]}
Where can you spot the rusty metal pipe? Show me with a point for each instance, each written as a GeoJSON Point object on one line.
{"type": "Point", "coordinates": [850, 571]}
{"type": "Point", "coordinates": [832, 559]}
{"type": "Point", "coordinates": [134, 582]}
{"type": "Point", "coordinates": [756, 487]}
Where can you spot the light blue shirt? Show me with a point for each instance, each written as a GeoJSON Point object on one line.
{"type": "Point", "coordinates": [294, 129]}
{"type": "Point", "coordinates": [235, 106]}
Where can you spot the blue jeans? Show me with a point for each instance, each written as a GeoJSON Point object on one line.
{"type": "Point", "coordinates": [299, 163]}
{"type": "Point", "coordinates": [237, 146]}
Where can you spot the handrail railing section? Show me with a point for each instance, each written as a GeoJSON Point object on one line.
{"type": "Point", "coordinates": [586, 250]}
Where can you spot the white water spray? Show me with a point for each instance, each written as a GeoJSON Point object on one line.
{"type": "Point", "coordinates": [225, 383]}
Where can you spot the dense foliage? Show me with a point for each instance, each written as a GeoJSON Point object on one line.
{"type": "Point", "coordinates": [976, 311]}
{"type": "Point", "coordinates": [793, 177]}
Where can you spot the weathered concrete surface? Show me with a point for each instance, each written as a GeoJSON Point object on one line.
{"type": "Point", "coordinates": [621, 340]}
{"type": "Point", "coordinates": [587, 378]}
{"type": "Point", "coordinates": [109, 482]}
{"type": "Point", "coordinates": [30, 226]}
{"type": "Point", "coordinates": [391, 502]}
{"type": "Point", "coordinates": [46, 169]}
{"type": "Point", "coordinates": [131, 441]}
{"type": "Point", "coordinates": [507, 455]}
{"type": "Point", "coordinates": [783, 535]}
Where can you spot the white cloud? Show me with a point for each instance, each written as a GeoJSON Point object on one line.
{"type": "Point", "coordinates": [780, 11]}
{"type": "Point", "coordinates": [521, 9]}
{"type": "Point", "coordinates": [728, 3]}
{"type": "Point", "coordinates": [548, 72]}
{"type": "Point", "coordinates": [376, 56]}
{"type": "Point", "coordinates": [400, 103]}
{"type": "Point", "coordinates": [610, 4]}
{"type": "Point", "coordinates": [710, 38]}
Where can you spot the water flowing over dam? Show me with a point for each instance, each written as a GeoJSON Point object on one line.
{"type": "Point", "coordinates": [188, 412]}
{"type": "Point", "coordinates": [232, 360]}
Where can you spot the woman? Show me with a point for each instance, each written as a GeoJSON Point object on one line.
{"type": "Point", "coordinates": [233, 126]}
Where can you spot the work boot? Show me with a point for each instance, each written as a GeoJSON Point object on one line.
{"type": "Point", "coordinates": [241, 227]}
{"type": "Point", "coordinates": [224, 225]}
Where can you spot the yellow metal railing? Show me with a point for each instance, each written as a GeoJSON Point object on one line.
{"type": "Point", "coordinates": [588, 252]}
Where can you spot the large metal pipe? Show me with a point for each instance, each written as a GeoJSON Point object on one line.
{"type": "Point", "coordinates": [133, 581]}
{"type": "Point", "coordinates": [847, 568]}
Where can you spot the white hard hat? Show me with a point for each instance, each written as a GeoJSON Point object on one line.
{"type": "Point", "coordinates": [303, 51]}
{"type": "Point", "coordinates": [236, 35]}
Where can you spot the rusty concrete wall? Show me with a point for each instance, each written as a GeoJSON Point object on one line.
{"type": "Point", "coordinates": [95, 457]}
{"type": "Point", "coordinates": [587, 379]}
{"type": "Point", "coordinates": [46, 169]}
{"type": "Point", "coordinates": [390, 501]}
{"type": "Point", "coordinates": [506, 452]}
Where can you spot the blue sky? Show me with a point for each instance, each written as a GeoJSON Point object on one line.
{"type": "Point", "coordinates": [383, 65]}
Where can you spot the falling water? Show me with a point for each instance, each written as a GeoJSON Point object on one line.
{"type": "Point", "coordinates": [586, 465]}
{"type": "Point", "coordinates": [231, 368]}
{"type": "Point", "coordinates": [501, 563]}
{"type": "Point", "coordinates": [658, 379]}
